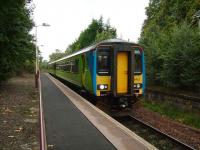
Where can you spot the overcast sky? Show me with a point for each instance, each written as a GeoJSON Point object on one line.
{"type": "Point", "coordinates": [67, 18]}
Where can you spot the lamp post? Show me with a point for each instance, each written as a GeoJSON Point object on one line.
{"type": "Point", "coordinates": [36, 54]}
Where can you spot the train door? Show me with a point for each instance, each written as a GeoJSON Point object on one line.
{"type": "Point", "coordinates": [122, 72]}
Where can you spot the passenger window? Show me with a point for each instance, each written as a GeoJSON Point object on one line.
{"type": "Point", "coordinates": [83, 60]}
{"type": "Point", "coordinates": [75, 66]}
{"type": "Point", "coordinates": [68, 66]}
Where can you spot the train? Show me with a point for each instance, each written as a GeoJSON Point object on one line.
{"type": "Point", "coordinates": [112, 69]}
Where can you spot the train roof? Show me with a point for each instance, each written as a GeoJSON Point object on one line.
{"type": "Point", "coordinates": [91, 47]}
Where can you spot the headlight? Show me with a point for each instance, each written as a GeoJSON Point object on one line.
{"type": "Point", "coordinates": [102, 87]}
{"type": "Point", "coordinates": [137, 86]}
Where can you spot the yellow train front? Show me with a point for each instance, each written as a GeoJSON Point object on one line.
{"type": "Point", "coordinates": [113, 69]}
{"type": "Point", "coordinates": [120, 73]}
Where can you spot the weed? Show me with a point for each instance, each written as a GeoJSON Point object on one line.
{"type": "Point", "coordinates": [187, 117]}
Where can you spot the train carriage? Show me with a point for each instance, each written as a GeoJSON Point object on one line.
{"type": "Point", "coordinates": [113, 68]}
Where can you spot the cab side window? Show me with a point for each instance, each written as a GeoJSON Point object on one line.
{"type": "Point", "coordinates": [138, 62]}
{"type": "Point", "coordinates": [103, 62]}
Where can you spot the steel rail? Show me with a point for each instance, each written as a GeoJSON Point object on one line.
{"type": "Point", "coordinates": [149, 126]}
{"type": "Point", "coordinates": [162, 133]}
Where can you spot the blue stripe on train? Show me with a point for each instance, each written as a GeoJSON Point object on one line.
{"type": "Point", "coordinates": [143, 73]}
{"type": "Point", "coordinates": [94, 72]}
{"type": "Point", "coordinates": [92, 68]}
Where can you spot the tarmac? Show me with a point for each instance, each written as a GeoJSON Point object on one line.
{"type": "Point", "coordinates": [66, 127]}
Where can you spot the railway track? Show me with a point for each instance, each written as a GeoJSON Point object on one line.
{"type": "Point", "coordinates": [156, 137]}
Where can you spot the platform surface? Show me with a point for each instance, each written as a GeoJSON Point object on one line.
{"type": "Point", "coordinates": [66, 127]}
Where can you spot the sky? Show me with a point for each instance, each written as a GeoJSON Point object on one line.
{"type": "Point", "coordinates": [67, 18]}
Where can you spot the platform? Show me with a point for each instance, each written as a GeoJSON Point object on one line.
{"type": "Point", "coordinates": [73, 123]}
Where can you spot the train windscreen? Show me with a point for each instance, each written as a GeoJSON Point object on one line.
{"type": "Point", "coordinates": [103, 62]}
{"type": "Point", "coordinates": [138, 62]}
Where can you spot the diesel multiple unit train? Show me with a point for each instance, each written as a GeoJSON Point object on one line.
{"type": "Point", "coordinates": [113, 69]}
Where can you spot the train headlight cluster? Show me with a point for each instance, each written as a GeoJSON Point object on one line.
{"type": "Point", "coordinates": [102, 87]}
{"type": "Point", "coordinates": [138, 85]}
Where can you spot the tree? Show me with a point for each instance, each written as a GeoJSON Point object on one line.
{"type": "Point", "coordinates": [108, 32]}
{"type": "Point", "coordinates": [169, 42]}
{"type": "Point", "coordinates": [44, 64]}
{"type": "Point", "coordinates": [104, 35]}
{"type": "Point", "coordinates": [56, 55]}
{"type": "Point", "coordinates": [16, 44]}
{"type": "Point", "coordinates": [95, 32]}
{"type": "Point", "coordinates": [181, 60]}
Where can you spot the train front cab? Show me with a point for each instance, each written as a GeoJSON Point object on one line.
{"type": "Point", "coordinates": [120, 71]}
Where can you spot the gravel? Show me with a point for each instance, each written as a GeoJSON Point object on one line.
{"type": "Point", "coordinates": [19, 110]}
{"type": "Point", "coordinates": [186, 134]}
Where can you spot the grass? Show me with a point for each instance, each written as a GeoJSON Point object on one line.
{"type": "Point", "coordinates": [181, 115]}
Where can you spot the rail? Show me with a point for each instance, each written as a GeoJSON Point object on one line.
{"type": "Point", "coordinates": [160, 135]}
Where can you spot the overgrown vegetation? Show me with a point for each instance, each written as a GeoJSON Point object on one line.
{"type": "Point", "coordinates": [56, 55]}
{"type": "Point", "coordinates": [16, 46]}
{"type": "Point", "coordinates": [171, 39]}
{"type": "Point", "coordinates": [96, 31]}
{"type": "Point", "coordinates": [184, 116]}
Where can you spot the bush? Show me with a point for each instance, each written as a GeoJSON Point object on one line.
{"type": "Point", "coordinates": [173, 58]}
{"type": "Point", "coordinates": [181, 58]}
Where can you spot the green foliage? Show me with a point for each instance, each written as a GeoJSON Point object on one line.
{"type": "Point", "coordinates": [108, 32]}
{"type": "Point", "coordinates": [56, 55]}
{"type": "Point", "coordinates": [29, 66]}
{"type": "Point", "coordinates": [181, 60]}
{"type": "Point", "coordinates": [95, 32]}
{"type": "Point", "coordinates": [103, 36]}
{"type": "Point", "coordinates": [181, 115]}
{"type": "Point", "coordinates": [15, 41]}
{"type": "Point", "coordinates": [162, 15]}
{"type": "Point", "coordinates": [172, 44]}
{"type": "Point", "coordinates": [44, 65]}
